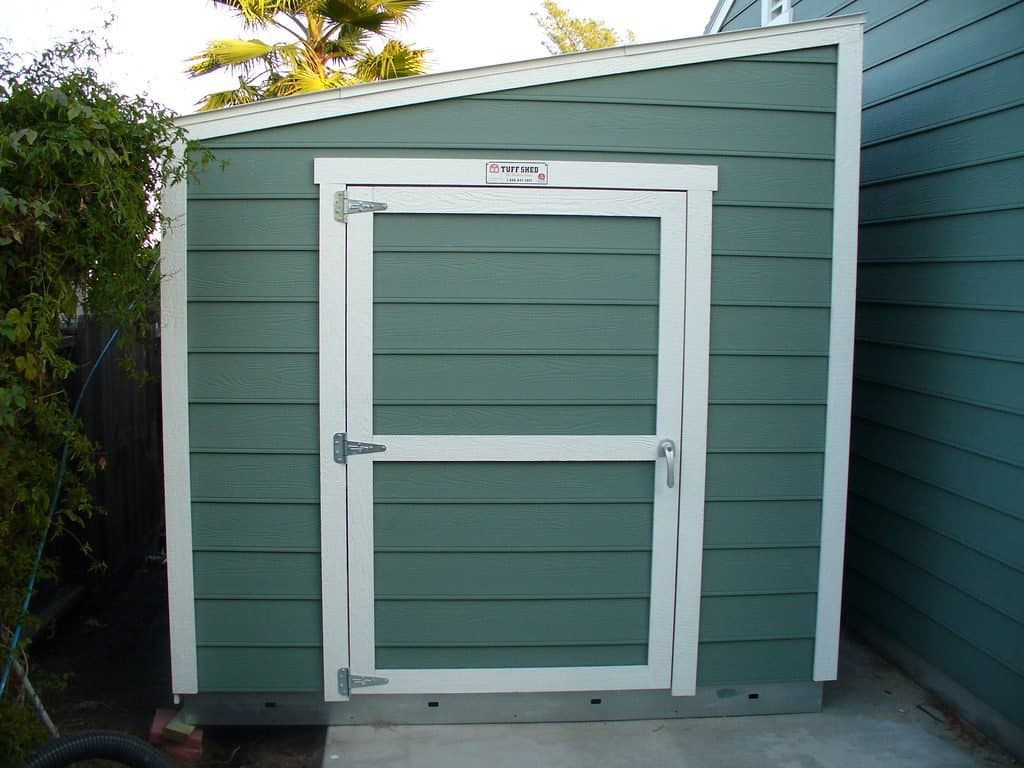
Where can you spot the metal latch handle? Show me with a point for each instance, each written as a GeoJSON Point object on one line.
{"type": "Point", "coordinates": [667, 449]}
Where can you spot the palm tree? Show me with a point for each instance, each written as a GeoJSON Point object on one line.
{"type": "Point", "coordinates": [327, 45]}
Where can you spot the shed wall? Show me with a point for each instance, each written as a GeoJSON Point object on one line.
{"type": "Point", "coordinates": [936, 526]}
{"type": "Point", "coordinates": [767, 122]}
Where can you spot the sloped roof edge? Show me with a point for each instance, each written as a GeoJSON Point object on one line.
{"type": "Point", "coordinates": [718, 16]}
{"type": "Point", "coordinates": [387, 94]}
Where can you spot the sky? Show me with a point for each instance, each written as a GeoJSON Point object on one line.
{"type": "Point", "coordinates": [151, 41]}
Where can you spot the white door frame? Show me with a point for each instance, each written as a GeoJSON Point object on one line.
{"type": "Point", "coordinates": [337, 489]}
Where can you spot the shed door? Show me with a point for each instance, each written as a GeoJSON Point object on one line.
{"type": "Point", "coordinates": [519, 353]}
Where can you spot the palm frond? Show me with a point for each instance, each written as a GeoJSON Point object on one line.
{"type": "Point", "coordinates": [260, 13]}
{"type": "Point", "coordinates": [344, 46]}
{"type": "Point", "coordinates": [395, 59]}
{"type": "Point", "coordinates": [245, 93]}
{"type": "Point", "coordinates": [229, 53]}
{"type": "Point", "coordinates": [354, 13]}
{"type": "Point", "coordinates": [302, 80]}
{"type": "Point", "coordinates": [331, 47]}
{"type": "Point", "coordinates": [400, 10]}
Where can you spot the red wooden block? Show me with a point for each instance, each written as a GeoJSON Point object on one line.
{"type": "Point", "coordinates": [190, 749]}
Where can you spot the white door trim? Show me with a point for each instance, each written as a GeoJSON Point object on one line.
{"type": "Point", "coordinates": [335, 174]}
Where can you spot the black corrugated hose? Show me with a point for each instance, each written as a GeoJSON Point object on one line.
{"type": "Point", "coordinates": [98, 745]}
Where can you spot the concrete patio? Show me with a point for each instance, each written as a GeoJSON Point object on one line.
{"type": "Point", "coordinates": [873, 716]}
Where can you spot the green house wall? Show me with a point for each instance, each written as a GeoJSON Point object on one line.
{"type": "Point", "coordinates": [936, 519]}
{"type": "Point", "coordinates": [767, 122]}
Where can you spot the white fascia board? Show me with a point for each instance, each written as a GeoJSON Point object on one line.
{"type": "Point", "coordinates": [840, 366]}
{"type": "Point", "coordinates": [448, 85]}
{"type": "Point", "coordinates": [718, 16]}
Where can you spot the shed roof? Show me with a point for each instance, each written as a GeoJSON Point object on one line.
{"type": "Point", "coordinates": [388, 94]}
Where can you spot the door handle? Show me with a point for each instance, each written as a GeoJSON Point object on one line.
{"type": "Point", "coordinates": [667, 449]}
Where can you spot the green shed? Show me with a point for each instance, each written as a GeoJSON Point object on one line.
{"type": "Point", "coordinates": [519, 393]}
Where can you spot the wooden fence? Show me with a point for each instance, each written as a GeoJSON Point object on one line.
{"type": "Point", "coordinates": [122, 413]}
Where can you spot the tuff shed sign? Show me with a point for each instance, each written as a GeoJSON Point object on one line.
{"type": "Point", "coordinates": [516, 172]}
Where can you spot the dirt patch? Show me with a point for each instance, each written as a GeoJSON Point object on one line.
{"type": "Point", "coordinates": [117, 662]}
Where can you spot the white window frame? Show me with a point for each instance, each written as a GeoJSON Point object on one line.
{"type": "Point", "coordinates": [335, 175]}
{"type": "Point", "coordinates": [776, 12]}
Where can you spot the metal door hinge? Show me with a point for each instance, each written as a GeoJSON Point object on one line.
{"type": "Point", "coordinates": [344, 205]}
{"type": "Point", "coordinates": [346, 681]}
{"type": "Point", "coordinates": [343, 447]}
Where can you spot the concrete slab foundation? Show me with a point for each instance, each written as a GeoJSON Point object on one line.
{"type": "Point", "coordinates": [874, 717]}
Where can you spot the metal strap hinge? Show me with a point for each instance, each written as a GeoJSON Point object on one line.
{"type": "Point", "coordinates": [343, 447]}
{"type": "Point", "coordinates": [345, 205]}
{"type": "Point", "coordinates": [346, 681]}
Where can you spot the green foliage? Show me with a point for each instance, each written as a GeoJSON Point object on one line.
{"type": "Point", "coordinates": [327, 45]}
{"type": "Point", "coordinates": [21, 731]}
{"type": "Point", "coordinates": [569, 34]}
{"type": "Point", "coordinates": [81, 170]}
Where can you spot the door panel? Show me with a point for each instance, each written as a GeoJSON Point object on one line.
{"type": "Point", "coordinates": [519, 532]}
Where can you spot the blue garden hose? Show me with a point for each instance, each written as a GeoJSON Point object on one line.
{"type": "Point", "coordinates": [62, 467]}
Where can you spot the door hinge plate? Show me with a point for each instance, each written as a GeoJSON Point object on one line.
{"type": "Point", "coordinates": [346, 681]}
{"type": "Point", "coordinates": [344, 206]}
{"type": "Point", "coordinates": [343, 448]}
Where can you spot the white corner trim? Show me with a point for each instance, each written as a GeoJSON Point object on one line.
{"type": "Point", "coordinates": [693, 447]}
{"type": "Point", "coordinates": [333, 477]}
{"type": "Point", "coordinates": [448, 85]}
{"type": "Point", "coordinates": [718, 16]}
{"type": "Point", "coordinates": [177, 481]}
{"type": "Point", "coordinates": [840, 368]}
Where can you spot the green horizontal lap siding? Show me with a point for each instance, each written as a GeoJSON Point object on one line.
{"type": "Point", "coordinates": [470, 328]}
{"type": "Point", "coordinates": [472, 312]}
{"type": "Point", "coordinates": [725, 619]}
{"type": "Point", "coordinates": [253, 426]}
{"type": "Point", "coordinates": [542, 276]}
{"type": "Point", "coordinates": [255, 525]}
{"type": "Point", "coordinates": [950, 100]}
{"type": "Point", "coordinates": [541, 526]}
{"type": "Point", "coordinates": [503, 122]}
{"type": "Point", "coordinates": [969, 142]}
{"type": "Point", "coordinates": [252, 275]}
{"type": "Point", "coordinates": [978, 285]}
{"type": "Point", "coordinates": [765, 122]}
{"type": "Point", "coordinates": [754, 523]}
{"type": "Point", "coordinates": [744, 14]}
{"type": "Point", "coordinates": [512, 565]}
{"type": "Point", "coordinates": [242, 669]}
{"type": "Point", "coordinates": [759, 661]}
{"type": "Point", "coordinates": [266, 623]}
{"type": "Point", "coordinates": [226, 378]}
{"type": "Point", "coordinates": [938, 460]}
{"type": "Point", "coordinates": [983, 431]}
{"type": "Point", "coordinates": [981, 332]}
{"type": "Point", "coordinates": [263, 575]}
{"type": "Point", "coordinates": [253, 326]}
{"type": "Point", "coordinates": [866, 603]}
{"type": "Point", "coordinates": [278, 477]}
{"type": "Point", "coordinates": [999, 636]}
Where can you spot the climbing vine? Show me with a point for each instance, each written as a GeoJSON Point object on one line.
{"type": "Point", "coordinates": [81, 170]}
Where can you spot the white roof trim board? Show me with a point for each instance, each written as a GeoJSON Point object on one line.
{"type": "Point", "coordinates": [467, 82]}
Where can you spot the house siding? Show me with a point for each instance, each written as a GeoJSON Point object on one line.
{"type": "Point", "coordinates": [936, 528]}
{"type": "Point", "coordinates": [767, 122]}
